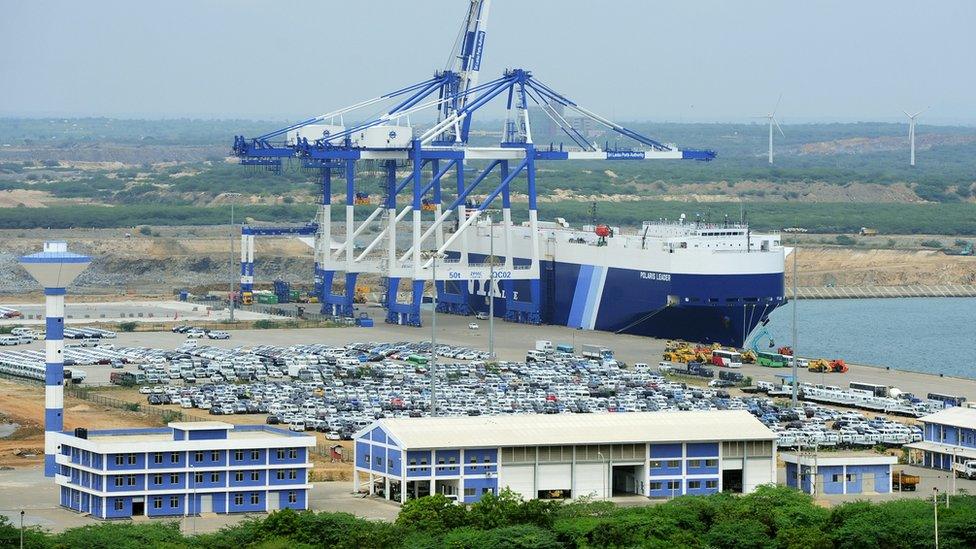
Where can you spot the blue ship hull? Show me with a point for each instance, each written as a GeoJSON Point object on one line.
{"type": "Point", "coordinates": [700, 308]}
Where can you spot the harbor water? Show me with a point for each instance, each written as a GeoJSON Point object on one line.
{"type": "Point", "coordinates": [930, 335]}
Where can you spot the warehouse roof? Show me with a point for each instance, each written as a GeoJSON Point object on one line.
{"type": "Point", "coordinates": [558, 429]}
{"type": "Point", "coordinates": [955, 416]}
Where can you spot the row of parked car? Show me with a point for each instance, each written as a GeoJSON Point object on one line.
{"type": "Point", "coordinates": [340, 389]}
{"type": "Point", "coordinates": [197, 333]}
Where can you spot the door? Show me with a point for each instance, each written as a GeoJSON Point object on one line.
{"type": "Point", "coordinates": [867, 483]}
{"type": "Point", "coordinates": [591, 479]}
{"type": "Point", "coordinates": [206, 503]}
{"type": "Point", "coordinates": [138, 507]}
{"type": "Point", "coordinates": [520, 479]}
{"type": "Point", "coordinates": [274, 500]}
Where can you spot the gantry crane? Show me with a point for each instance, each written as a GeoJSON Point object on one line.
{"type": "Point", "coordinates": [432, 157]}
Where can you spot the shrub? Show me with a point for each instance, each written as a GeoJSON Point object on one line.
{"type": "Point", "coordinates": [265, 324]}
{"type": "Point", "coordinates": [145, 230]}
{"type": "Point", "coordinates": [845, 240]}
{"type": "Point", "coordinates": [127, 326]}
{"type": "Point", "coordinates": [932, 244]}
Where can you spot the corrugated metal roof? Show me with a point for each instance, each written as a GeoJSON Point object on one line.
{"type": "Point", "coordinates": [558, 429]}
{"type": "Point", "coordinates": [956, 416]}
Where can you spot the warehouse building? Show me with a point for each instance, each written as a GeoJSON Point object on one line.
{"type": "Point", "coordinates": [653, 454]}
{"type": "Point", "coordinates": [185, 469]}
{"type": "Point", "coordinates": [839, 473]}
{"type": "Point", "coordinates": [947, 436]}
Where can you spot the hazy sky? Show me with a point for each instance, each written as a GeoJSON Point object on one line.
{"type": "Point", "coordinates": [677, 61]}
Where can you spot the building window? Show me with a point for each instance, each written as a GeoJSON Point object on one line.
{"type": "Point", "coordinates": [255, 454]}
{"type": "Point", "coordinates": [174, 478]}
{"type": "Point", "coordinates": [711, 463]}
{"type": "Point", "coordinates": [157, 503]}
{"type": "Point", "coordinates": [850, 477]}
{"type": "Point", "coordinates": [487, 459]}
{"type": "Point", "coordinates": [174, 501]}
{"type": "Point", "coordinates": [468, 492]}
{"type": "Point", "coordinates": [255, 498]}
{"type": "Point", "coordinates": [694, 463]}
{"type": "Point", "coordinates": [452, 460]}
{"type": "Point", "coordinates": [197, 478]}
{"type": "Point", "coordinates": [655, 486]}
{"type": "Point", "coordinates": [655, 464]}
{"type": "Point", "coordinates": [292, 474]}
{"type": "Point", "coordinates": [158, 458]}
{"type": "Point", "coordinates": [119, 459]}
{"type": "Point", "coordinates": [293, 453]}
{"type": "Point", "coordinates": [413, 461]}
{"type": "Point", "coordinates": [255, 475]}
{"type": "Point", "coordinates": [157, 479]}
{"type": "Point", "coordinates": [174, 457]}
{"type": "Point", "coordinates": [674, 463]}
{"type": "Point", "coordinates": [487, 491]}
{"type": "Point", "coordinates": [238, 455]}
{"type": "Point", "coordinates": [280, 475]}
{"type": "Point", "coordinates": [119, 481]}
{"type": "Point", "coordinates": [711, 484]}
{"type": "Point", "coordinates": [214, 477]}
{"type": "Point", "coordinates": [130, 480]}
{"type": "Point", "coordinates": [440, 461]}
{"type": "Point", "coordinates": [198, 457]}
{"type": "Point", "coordinates": [239, 476]}
{"type": "Point", "coordinates": [694, 484]}
{"type": "Point", "coordinates": [379, 461]}
{"type": "Point", "coordinates": [119, 504]}
{"type": "Point", "coordinates": [292, 497]}
{"type": "Point", "coordinates": [835, 478]}
{"type": "Point", "coordinates": [238, 499]}
{"type": "Point", "coordinates": [132, 459]}
{"type": "Point", "coordinates": [674, 485]}
{"type": "Point", "coordinates": [474, 459]}
{"type": "Point", "coordinates": [280, 453]}
{"type": "Point", "coordinates": [214, 456]}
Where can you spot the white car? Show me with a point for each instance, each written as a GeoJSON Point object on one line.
{"type": "Point", "coordinates": [195, 334]}
{"type": "Point", "coordinates": [145, 390]}
{"type": "Point", "coordinates": [473, 326]}
{"type": "Point", "coordinates": [481, 316]}
{"type": "Point", "coordinates": [218, 335]}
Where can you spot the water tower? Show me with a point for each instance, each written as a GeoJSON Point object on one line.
{"type": "Point", "coordinates": [54, 269]}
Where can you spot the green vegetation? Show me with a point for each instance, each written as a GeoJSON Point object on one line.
{"type": "Point", "coordinates": [772, 517]}
{"type": "Point", "coordinates": [127, 326]}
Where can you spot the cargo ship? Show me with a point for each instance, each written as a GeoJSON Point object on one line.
{"type": "Point", "coordinates": [696, 281]}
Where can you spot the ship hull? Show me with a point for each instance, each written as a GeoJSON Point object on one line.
{"type": "Point", "coordinates": [707, 308]}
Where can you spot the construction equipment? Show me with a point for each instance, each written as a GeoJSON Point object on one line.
{"type": "Point", "coordinates": [785, 350]}
{"type": "Point", "coordinates": [435, 158]}
{"type": "Point", "coordinates": [865, 231]}
{"type": "Point", "coordinates": [362, 199]}
{"type": "Point", "coordinates": [748, 356]}
{"type": "Point", "coordinates": [428, 205]}
{"type": "Point", "coordinates": [361, 293]}
{"type": "Point", "coordinates": [821, 365]}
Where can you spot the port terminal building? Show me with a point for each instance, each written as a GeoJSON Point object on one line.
{"type": "Point", "coordinates": [564, 456]}
{"type": "Point", "coordinates": [839, 472]}
{"type": "Point", "coordinates": [947, 436]}
{"type": "Point", "coordinates": [184, 469]}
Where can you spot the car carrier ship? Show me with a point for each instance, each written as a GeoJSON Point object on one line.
{"type": "Point", "coordinates": [687, 280]}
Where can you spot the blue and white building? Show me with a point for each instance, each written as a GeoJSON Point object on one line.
{"type": "Point", "coordinates": [654, 454]}
{"type": "Point", "coordinates": [839, 473]}
{"type": "Point", "coordinates": [54, 269]}
{"type": "Point", "coordinates": [184, 469]}
{"type": "Point", "coordinates": [948, 436]}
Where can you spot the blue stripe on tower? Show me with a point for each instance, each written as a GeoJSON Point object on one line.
{"type": "Point", "coordinates": [55, 328]}
{"type": "Point", "coordinates": [53, 420]}
{"type": "Point", "coordinates": [580, 296]}
{"type": "Point", "coordinates": [53, 373]}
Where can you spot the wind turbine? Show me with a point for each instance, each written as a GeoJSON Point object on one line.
{"type": "Point", "coordinates": [911, 132]}
{"type": "Point", "coordinates": [772, 120]}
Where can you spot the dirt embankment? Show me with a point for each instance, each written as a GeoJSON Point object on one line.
{"type": "Point", "coordinates": [853, 267]}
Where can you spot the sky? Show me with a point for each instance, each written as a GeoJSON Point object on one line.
{"type": "Point", "coordinates": [723, 61]}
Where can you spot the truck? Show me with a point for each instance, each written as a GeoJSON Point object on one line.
{"type": "Point", "coordinates": [965, 469]}
{"type": "Point", "coordinates": [544, 346]}
{"type": "Point", "coordinates": [564, 348]}
{"type": "Point", "coordinates": [597, 352]}
{"type": "Point", "coordinates": [692, 369]}
{"type": "Point", "coordinates": [902, 481]}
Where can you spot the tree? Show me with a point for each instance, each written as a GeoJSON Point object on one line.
{"type": "Point", "coordinates": [431, 514]}
{"type": "Point", "coordinates": [739, 534]}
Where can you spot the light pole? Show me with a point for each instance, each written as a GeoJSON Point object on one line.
{"type": "Point", "coordinates": [935, 507]}
{"type": "Point", "coordinates": [794, 231]}
{"type": "Point", "coordinates": [22, 529]}
{"type": "Point", "coordinates": [433, 335]}
{"type": "Point", "coordinates": [491, 289]}
{"type": "Point", "coordinates": [231, 295]}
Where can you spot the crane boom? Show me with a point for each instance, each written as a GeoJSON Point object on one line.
{"type": "Point", "coordinates": [468, 63]}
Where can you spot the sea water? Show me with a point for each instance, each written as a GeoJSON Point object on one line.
{"type": "Point", "coordinates": [931, 335]}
